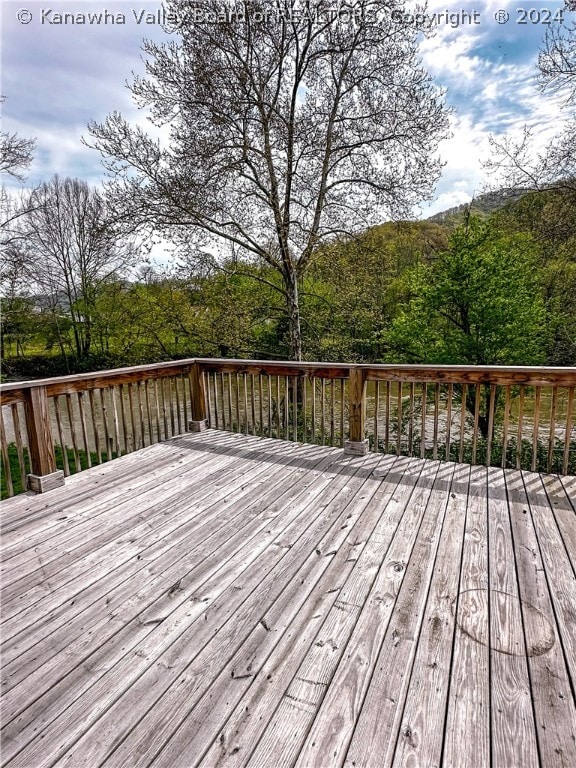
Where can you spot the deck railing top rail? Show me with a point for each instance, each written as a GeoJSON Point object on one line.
{"type": "Point", "coordinates": [472, 374]}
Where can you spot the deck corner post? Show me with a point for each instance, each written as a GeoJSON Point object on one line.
{"type": "Point", "coordinates": [357, 445]}
{"type": "Point", "coordinates": [199, 421]}
{"type": "Point", "coordinates": [44, 475]}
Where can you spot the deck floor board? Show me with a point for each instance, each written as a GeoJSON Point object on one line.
{"type": "Point", "coordinates": [224, 600]}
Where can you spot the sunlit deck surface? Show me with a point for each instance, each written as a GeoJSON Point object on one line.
{"type": "Point", "coordinates": [223, 600]}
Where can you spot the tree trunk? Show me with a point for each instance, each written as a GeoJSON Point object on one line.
{"type": "Point", "coordinates": [293, 305]}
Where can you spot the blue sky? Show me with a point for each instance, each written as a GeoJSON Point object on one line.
{"type": "Point", "coordinates": [58, 78]}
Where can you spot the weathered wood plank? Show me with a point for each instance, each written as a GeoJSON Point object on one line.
{"type": "Point", "coordinates": [554, 705]}
{"type": "Point", "coordinates": [382, 563]}
{"type": "Point", "coordinates": [379, 719]}
{"type": "Point", "coordinates": [467, 724]}
{"type": "Point", "coordinates": [564, 511]}
{"type": "Point", "coordinates": [559, 567]}
{"type": "Point", "coordinates": [513, 732]}
{"type": "Point", "coordinates": [421, 734]}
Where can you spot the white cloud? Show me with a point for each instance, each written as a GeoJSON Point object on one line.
{"type": "Point", "coordinates": [57, 79]}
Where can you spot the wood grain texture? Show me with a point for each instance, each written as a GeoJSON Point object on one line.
{"type": "Point", "coordinates": [38, 430]}
{"type": "Point", "coordinates": [250, 601]}
{"type": "Point", "coordinates": [554, 707]}
{"type": "Point", "coordinates": [513, 731]}
{"type": "Point", "coordinates": [467, 719]}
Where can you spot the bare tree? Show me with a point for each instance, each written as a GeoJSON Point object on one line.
{"type": "Point", "coordinates": [516, 162]}
{"type": "Point", "coordinates": [71, 248]}
{"type": "Point", "coordinates": [557, 60]}
{"type": "Point", "coordinates": [15, 153]}
{"type": "Point", "coordinates": [287, 123]}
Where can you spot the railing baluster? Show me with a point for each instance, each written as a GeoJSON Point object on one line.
{"type": "Point", "coordinates": [170, 387]}
{"type": "Point", "coordinates": [477, 400]}
{"type": "Point", "coordinates": [254, 430]}
{"type": "Point", "coordinates": [552, 438]}
{"type": "Point", "coordinates": [132, 419]}
{"type": "Point", "coordinates": [411, 417]}
{"type": "Point", "coordinates": [305, 409]}
{"type": "Point", "coordinates": [323, 412]}
{"type": "Point", "coordinates": [535, 430]}
{"type": "Point", "coordinates": [505, 428]}
{"type": "Point", "coordinates": [214, 379]}
{"type": "Point", "coordinates": [491, 409]}
{"type": "Point", "coordinates": [568, 432]}
{"type": "Point", "coordinates": [112, 393]}
{"type": "Point", "coordinates": [80, 396]}
{"type": "Point", "coordinates": [246, 424]}
{"type": "Point", "coordinates": [387, 422]}
{"type": "Point", "coordinates": [142, 440]}
{"type": "Point", "coordinates": [149, 409]}
{"type": "Point", "coordinates": [77, 463]}
{"type": "Point", "coordinates": [237, 402]}
{"type": "Point", "coordinates": [122, 396]}
{"type": "Point", "coordinates": [423, 425]}
{"type": "Point", "coordinates": [61, 439]}
{"type": "Point", "coordinates": [332, 407]}
{"type": "Point", "coordinates": [185, 396]}
{"type": "Point", "coordinates": [436, 416]}
{"type": "Point", "coordinates": [230, 416]}
{"type": "Point", "coordinates": [342, 399]}
{"type": "Point", "coordinates": [19, 444]}
{"type": "Point", "coordinates": [260, 406]}
{"type": "Point", "coordinates": [286, 408]}
{"type": "Point", "coordinates": [462, 422]}
{"type": "Point", "coordinates": [520, 429]}
{"type": "Point", "coordinates": [313, 409]}
{"type": "Point", "coordinates": [295, 408]}
{"type": "Point", "coordinates": [223, 403]}
{"type": "Point", "coordinates": [449, 418]}
{"type": "Point", "coordinates": [105, 422]}
{"type": "Point", "coordinates": [95, 430]}
{"type": "Point", "coordinates": [178, 409]}
{"type": "Point", "coordinates": [399, 416]}
{"type": "Point", "coordinates": [376, 414]}
{"type": "Point", "coordinates": [6, 457]}
{"type": "Point", "coordinates": [270, 411]}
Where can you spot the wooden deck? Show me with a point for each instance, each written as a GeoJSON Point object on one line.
{"type": "Point", "coordinates": [222, 600]}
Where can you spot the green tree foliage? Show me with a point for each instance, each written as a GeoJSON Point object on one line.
{"type": "Point", "coordinates": [351, 293]}
{"type": "Point", "coordinates": [478, 303]}
{"type": "Point", "coordinates": [550, 218]}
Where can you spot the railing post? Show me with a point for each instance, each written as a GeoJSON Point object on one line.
{"type": "Point", "coordinates": [44, 475]}
{"type": "Point", "coordinates": [357, 444]}
{"type": "Point", "coordinates": [198, 404]}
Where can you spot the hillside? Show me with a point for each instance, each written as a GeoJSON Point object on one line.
{"type": "Point", "coordinates": [483, 205]}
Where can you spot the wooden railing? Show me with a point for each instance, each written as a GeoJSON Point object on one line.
{"type": "Point", "coordinates": [511, 417]}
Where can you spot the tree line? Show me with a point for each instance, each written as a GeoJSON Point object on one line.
{"type": "Point", "coordinates": [480, 289]}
